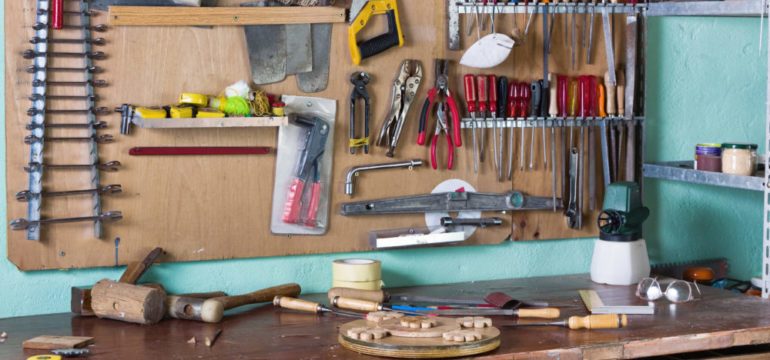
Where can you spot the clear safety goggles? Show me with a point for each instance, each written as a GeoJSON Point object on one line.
{"type": "Point", "coordinates": [677, 291]}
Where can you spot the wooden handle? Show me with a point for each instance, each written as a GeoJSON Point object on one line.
{"type": "Point", "coordinates": [545, 313]}
{"type": "Point", "coordinates": [604, 321]}
{"type": "Point", "coordinates": [621, 93]}
{"type": "Point", "coordinates": [296, 304]}
{"type": "Point", "coordinates": [136, 269]}
{"type": "Point", "coordinates": [553, 109]}
{"type": "Point", "coordinates": [610, 93]}
{"type": "Point", "coordinates": [356, 304]}
{"type": "Point", "coordinates": [370, 295]}
{"type": "Point", "coordinates": [264, 295]}
{"type": "Point", "coordinates": [205, 295]}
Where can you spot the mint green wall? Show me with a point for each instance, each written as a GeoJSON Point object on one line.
{"type": "Point", "coordinates": [695, 57]}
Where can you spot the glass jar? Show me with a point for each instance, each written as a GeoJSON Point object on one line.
{"type": "Point", "coordinates": [708, 157]}
{"type": "Point", "coordinates": [739, 159]}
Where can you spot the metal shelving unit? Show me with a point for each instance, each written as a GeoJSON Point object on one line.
{"type": "Point", "coordinates": [684, 171]}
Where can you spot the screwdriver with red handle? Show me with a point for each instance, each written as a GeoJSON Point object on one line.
{"type": "Point", "coordinates": [524, 94]}
{"type": "Point", "coordinates": [471, 102]}
{"type": "Point", "coordinates": [513, 100]}
{"type": "Point", "coordinates": [482, 89]}
{"type": "Point", "coordinates": [57, 14]}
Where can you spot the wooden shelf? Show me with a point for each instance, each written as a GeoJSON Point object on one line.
{"type": "Point", "coordinates": [211, 16]}
{"type": "Point", "coordinates": [200, 123]}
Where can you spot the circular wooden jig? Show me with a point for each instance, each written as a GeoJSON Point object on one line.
{"type": "Point", "coordinates": [418, 343]}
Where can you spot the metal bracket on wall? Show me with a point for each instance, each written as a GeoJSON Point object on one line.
{"type": "Point", "coordinates": [38, 119]}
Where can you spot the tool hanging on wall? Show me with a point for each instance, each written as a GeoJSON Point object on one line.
{"type": "Point", "coordinates": [82, 61]}
{"type": "Point", "coordinates": [359, 80]}
{"type": "Point", "coordinates": [435, 94]}
{"type": "Point", "coordinates": [490, 50]}
{"type": "Point", "coordinates": [368, 48]}
{"type": "Point", "coordinates": [472, 104]}
{"type": "Point", "coordinates": [442, 126]}
{"type": "Point", "coordinates": [267, 58]}
{"type": "Point", "coordinates": [198, 150]}
{"type": "Point", "coordinates": [296, 210]}
{"type": "Point", "coordinates": [447, 202]}
{"type": "Point", "coordinates": [404, 91]}
{"type": "Point", "coordinates": [357, 170]}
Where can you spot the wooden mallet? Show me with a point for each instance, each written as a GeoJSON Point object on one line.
{"type": "Point", "coordinates": [212, 310]}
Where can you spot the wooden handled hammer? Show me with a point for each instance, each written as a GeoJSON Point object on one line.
{"type": "Point", "coordinates": [212, 310]}
{"type": "Point", "coordinates": [80, 300]}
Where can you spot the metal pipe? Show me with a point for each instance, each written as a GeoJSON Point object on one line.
{"type": "Point", "coordinates": [357, 169]}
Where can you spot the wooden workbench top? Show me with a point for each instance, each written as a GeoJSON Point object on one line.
{"type": "Point", "coordinates": [719, 320]}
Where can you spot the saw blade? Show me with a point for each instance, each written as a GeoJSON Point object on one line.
{"type": "Point", "coordinates": [355, 8]}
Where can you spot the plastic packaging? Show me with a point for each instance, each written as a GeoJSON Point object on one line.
{"type": "Point", "coordinates": [301, 194]}
{"type": "Point", "coordinates": [739, 159]}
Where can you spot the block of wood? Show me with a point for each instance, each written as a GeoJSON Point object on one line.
{"type": "Point", "coordinates": [50, 342]}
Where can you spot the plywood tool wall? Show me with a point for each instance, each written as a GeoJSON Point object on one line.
{"type": "Point", "coordinates": [201, 208]}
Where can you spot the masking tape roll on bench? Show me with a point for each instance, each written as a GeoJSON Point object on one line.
{"type": "Point", "coordinates": [357, 274]}
{"type": "Point", "coordinates": [359, 285]}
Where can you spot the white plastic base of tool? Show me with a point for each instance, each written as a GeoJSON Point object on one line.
{"type": "Point", "coordinates": [620, 263]}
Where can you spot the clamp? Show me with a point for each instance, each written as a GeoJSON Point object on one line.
{"type": "Point", "coordinates": [441, 88]}
{"type": "Point", "coordinates": [380, 43]}
{"type": "Point", "coordinates": [309, 165]}
{"type": "Point", "coordinates": [403, 93]}
{"type": "Point", "coordinates": [359, 80]}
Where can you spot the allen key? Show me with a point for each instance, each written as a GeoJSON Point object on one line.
{"type": "Point", "coordinates": [35, 97]}
{"type": "Point", "coordinates": [94, 41]}
{"type": "Point", "coordinates": [95, 83]}
{"type": "Point", "coordinates": [111, 166]}
{"type": "Point", "coordinates": [24, 224]}
{"type": "Point", "coordinates": [97, 28]}
{"type": "Point", "coordinates": [100, 139]}
{"type": "Point", "coordinates": [95, 111]}
{"type": "Point", "coordinates": [91, 69]}
{"type": "Point", "coordinates": [96, 55]}
{"type": "Point", "coordinates": [26, 195]}
{"type": "Point", "coordinates": [96, 125]}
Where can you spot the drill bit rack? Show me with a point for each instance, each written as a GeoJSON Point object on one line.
{"type": "Point", "coordinates": [48, 16]}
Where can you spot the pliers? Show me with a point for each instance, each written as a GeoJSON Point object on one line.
{"type": "Point", "coordinates": [359, 79]}
{"type": "Point", "coordinates": [441, 68]}
{"type": "Point", "coordinates": [441, 126]}
{"type": "Point", "coordinates": [404, 91]}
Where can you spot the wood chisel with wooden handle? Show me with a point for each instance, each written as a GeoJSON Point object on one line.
{"type": "Point", "coordinates": [543, 313]}
{"type": "Point", "coordinates": [590, 322]}
{"type": "Point", "coordinates": [366, 306]}
{"type": "Point", "coordinates": [309, 306]}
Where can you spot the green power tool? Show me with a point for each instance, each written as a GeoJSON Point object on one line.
{"type": "Point", "coordinates": [622, 214]}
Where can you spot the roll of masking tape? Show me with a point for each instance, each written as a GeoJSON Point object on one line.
{"type": "Point", "coordinates": [360, 285]}
{"type": "Point", "coordinates": [362, 274]}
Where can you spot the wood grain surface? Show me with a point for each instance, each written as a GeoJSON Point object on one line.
{"type": "Point", "coordinates": [720, 320]}
{"type": "Point", "coordinates": [202, 208]}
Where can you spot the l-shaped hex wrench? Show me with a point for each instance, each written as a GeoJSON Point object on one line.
{"type": "Point", "coordinates": [354, 171]}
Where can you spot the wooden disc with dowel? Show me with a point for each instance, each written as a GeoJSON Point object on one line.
{"type": "Point", "coordinates": [420, 337]}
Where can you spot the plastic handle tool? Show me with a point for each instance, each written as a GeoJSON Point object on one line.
{"type": "Point", "coordinates": [492, 82]}
{"type": "Point", "coordinates": [481, 82]}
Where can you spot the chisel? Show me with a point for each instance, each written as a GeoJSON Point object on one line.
{"type": "Point", "coordinates": [367, 306]}
{"type": "Point", "coordinates": [543, 313]}
{"type": "Point", "coordinates": [553, 112]}
{"type": "Point", "coordinates": [590, 322]}
{"type": "Point", "coordinates": [309, 306]}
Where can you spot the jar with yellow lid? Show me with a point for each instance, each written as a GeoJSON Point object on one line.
{"type": "Point", "coordinates": [739, 159]}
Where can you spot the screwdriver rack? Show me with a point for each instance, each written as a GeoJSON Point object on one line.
{"type": "Point", "coordinates": [39, 112]}
{"type": "Point", "coordinates": [540, 122]}
{"type": "Point", "coordinates": [551, 8]}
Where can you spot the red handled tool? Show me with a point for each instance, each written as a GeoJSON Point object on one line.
{"type": "Point", "coordinates": [483, 91]}
{"type": "Point", "coordinates": [471, 102]}
{"type": "Point", "coordinates": [57, 14]}
{"type": "Point", "coordinates": [315, 144]}
{"type": "Point", "coordinates": [441, 126]}
{"type": "Point", "coordinates": [513, 98]}
{"type": "Point", "coordinates": [441, 88]}
{"type": "Point", "coordinates": [199, 150]}
{"type": "Point", "coordinates": [562, 94]}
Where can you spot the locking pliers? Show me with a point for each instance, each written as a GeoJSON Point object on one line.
{"type": "Point", "coordinates": [403, 93]}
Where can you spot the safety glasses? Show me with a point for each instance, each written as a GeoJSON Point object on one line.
{"type": "Point", "coordinates": [677, 291]}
